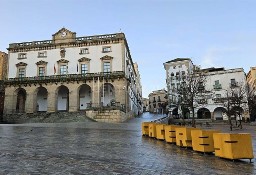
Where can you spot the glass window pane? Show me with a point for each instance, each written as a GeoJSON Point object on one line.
{"type": "Point", "coordinates": [84, 68]}
{"type": "Point", "coordinates": [63, 69]}
{"type": "Point", "coordinates": [21, 72]}
{"type": "Point", "coordinates": [41, 71]}
{"type": "Point", "coordinates": [106, 67]}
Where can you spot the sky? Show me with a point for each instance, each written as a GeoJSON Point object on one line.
{"type": "Point", "coordinates": [213, 33]}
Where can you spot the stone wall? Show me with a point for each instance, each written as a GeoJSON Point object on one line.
{"type": "Point", "coordinates": [109, 116]}
{"type": "Point", "coordinates": [55, 117]}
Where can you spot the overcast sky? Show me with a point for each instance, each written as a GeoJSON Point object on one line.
{"type": "Point", "coordinates": [220, 33]}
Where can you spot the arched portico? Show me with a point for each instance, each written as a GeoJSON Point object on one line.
{"type": "Point", "coordinates": [41, 99]}
{"type": "Point", "coordinates": [21, 100]}
{"type": "Point", "coordinates": [108, 94]}
{"type": "Point", "coordinates": [219, 113]}
{"type": "Point", "coordinates": [203, 113]}
{"type": "Point", "coordinates": [85, 96]}
{"type": "Point", "coordinates": [62, 98]}
{"type": "Point", "coordinates": [185, 113]}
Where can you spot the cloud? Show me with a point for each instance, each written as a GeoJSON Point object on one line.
{"type": "Point", "coordinates": [214, 56]}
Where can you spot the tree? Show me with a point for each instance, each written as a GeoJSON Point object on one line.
{"type": "Point", "coordinates": [252, 106]}
{"type": "Point", "coordinates": [192, 88]}
{"type": "Point", "coordinates": [235, 101]}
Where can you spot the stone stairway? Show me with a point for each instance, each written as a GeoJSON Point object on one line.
{"type": "Point", "coordinates": [44, 117]}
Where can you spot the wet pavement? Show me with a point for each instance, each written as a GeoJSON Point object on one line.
{"type": "Point", "coordinates": [104, 148]}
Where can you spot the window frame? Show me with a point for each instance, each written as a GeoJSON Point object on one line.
{"type": "Point", "coordinates": [106, 49]}
{"type": "Point", "coordinates": [22, 56]}
{"type": "Point", "coordinates": [84, 71]}
{"type": "Point", "coordinates": [84, 51]}
{"type": "Point", "coordinates": [42, 54]}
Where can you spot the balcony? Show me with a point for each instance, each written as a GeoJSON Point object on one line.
{"type": "Point", "coordinates": [64, 78]}
{"type": "Point", "coordinates": [201, 88]}
{"type": "Point", "coordinates": [219, 100]}
{"type": "Point", "coordinates": [233, 84]}
{"type": "Point", "coordinates": [202, 101]}
{"type": "Point", "coordinates": [217, 86]}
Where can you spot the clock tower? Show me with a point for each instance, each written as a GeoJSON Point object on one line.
{"type": "Point", "coordinates": [64, 36]}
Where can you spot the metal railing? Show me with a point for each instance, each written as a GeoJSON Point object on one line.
{"type": "Point", "coordinates": [101, 107]}
{"type": "Point", "coordinates": [217, 86]}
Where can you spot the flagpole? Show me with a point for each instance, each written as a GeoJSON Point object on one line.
{"type": "Point", "coordinates": [99, 90]}
{"type": "Point", "coordinates": [103, 90]}
{"type": "Point", "coordinates": [92, 91]}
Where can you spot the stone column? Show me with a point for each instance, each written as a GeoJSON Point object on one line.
{"type": "Point", "coordinates": [30, 103]}
{"type": "Point", "coordinates": [10, 101]}
{"type": "Point", "coordinates": [51, 100]}
{"type": "Point", "coordinates": [212, 116]}
{"type": "Point", "coordinates": [73, 98]}
{"type": "Point", "coordinates": [95, 91]}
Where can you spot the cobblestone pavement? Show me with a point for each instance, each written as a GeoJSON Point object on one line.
{"type": "Point", "coordinates": [102, 148]}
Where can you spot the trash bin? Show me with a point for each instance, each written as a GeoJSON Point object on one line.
{"type": "Point", "coordinates": [170, 133]}
{"type": "Point", "coordinates": [183, 136]}
{"type": "Point", "coordinates": [233, 146]}
{"type": "Point", "coordinates": [160, 131]}
{"type": "Point", "coordinates": [202, 140]}
{"type": "Point", "coordinates": [152, 129]}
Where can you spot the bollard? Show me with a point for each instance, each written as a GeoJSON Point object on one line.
{"type": "Point", "coordinates": [145, 128]}
{"type": "Point", "coordinates": [170, 133]}
{"type": "Point", "coordinates": [183, 136]}
{"type": "Point", "coordinates": [160, 131]}
{"type": "Point", "coordinates": [152, 130]}
{"type": "Point", "coordinates": [233, 146]}
{"type": "Point", "coordinates": [202, 140]}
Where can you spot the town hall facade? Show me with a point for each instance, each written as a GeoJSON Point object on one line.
{"type": "Point", "coordinates": [70, 73]}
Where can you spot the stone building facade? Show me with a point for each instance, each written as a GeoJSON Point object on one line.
{"type": "Point", "coordinates": [158, 101]}
{"type": "Point", "coordinates": [251, 80]}
{"type": "Point", "coordinates": [218, 81]}
{"type": "Point", "coordinates": [175, 69]}
{"type": "Point", "coordinates": [94, 74]}
{"type": "Point", "coordinates": [145, 104]}
{"type": "Point", "coordinates": [3, 76]}
{"type": "Point", "coordinates": [3, 65]}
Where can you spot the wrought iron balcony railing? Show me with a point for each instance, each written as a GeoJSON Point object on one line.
{"type": "Point", "coordinates": [65, 78]}
{"type": "Point", "coordinates": [217, 86]}
{"type": "Point", "coordinates": [233, 84]}
{"type": "Point", "coordinates": [219, 100]}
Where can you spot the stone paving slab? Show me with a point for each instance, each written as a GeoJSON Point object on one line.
{"type": "Point", "coordinates": [103, 148]}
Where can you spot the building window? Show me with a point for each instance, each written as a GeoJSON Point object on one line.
{"type": "Point", "coordinates": [41, 68]}
{"type": "Point", "coordinates": [84, 68]}
{"type": "Point", "coordinates": [84, 51]}
{"type": "Point", "coordinates": [233, 82]}
{"type": "Point", "coordinates": [63, 69]}
{"type": "Point", "coordinates": [218, 95]}
{"type": "Point", "coordinates": [106, 49]}
{"type": "Point", "coordinates": [22, 56]}
{"type": "Point", "coordinates": [21, 72]}
{"type": "Point", "coordinates": [42, 54]}
{"type": "Point", "coordinates": [41, 71]}
{"type": "Point", "coordinates": [106, 67]}
{"type": "Point", "coordinates": [178, 86]}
